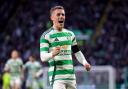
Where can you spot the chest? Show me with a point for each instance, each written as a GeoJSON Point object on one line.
{"type": "Point", "coordinates": [60, 39]}
{"type": "Point", "coordinates": [33, 66]}
{"type": "Point", "coordinates": [14, 64]}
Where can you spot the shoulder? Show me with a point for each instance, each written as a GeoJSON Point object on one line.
{"type": "Point", "coordinates": [47, 32]}
{"type": "Point", "coordinates": [19, 60]}
{"type": "Point", "coordinates": [37, 62]}
{"type": "Point", "coordinates": [27, 63]}
{"type": "Point", "coordinates": [9, 61]}
{"type": "Point", "coordinates": [69, 31]}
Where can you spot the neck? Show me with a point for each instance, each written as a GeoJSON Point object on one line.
{"type": "Point", "coordinates": [14, 58]}
{"type": "Point", "coordinates": [33, 60]}
{"type": "Point", "coordinates": [58, 29]}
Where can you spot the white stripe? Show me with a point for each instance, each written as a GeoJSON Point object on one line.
{"type": "Point", "coordinates": [45, 56]}
{"type": "Point", "coordinates": [42, 52]}
{"type": "Point", "coordinates": [61, 67]}
{"type": "Point", "coordinates": [44, 45]}
{"type": "Point", "coordinates": [64, 76]}
{"type": "Point", "coordinates": [64, 57]}
{"type": "Point", "coordinates": [51, 68]}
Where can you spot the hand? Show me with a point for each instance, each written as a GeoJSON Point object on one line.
{"type": "Point", "coordinates": [56, 51]}
{"type": "Point", "coordinates": [22, 77]}
{"type": "Point", "coordinates": [87, 67]}
{"type": "Point", "coordinates": [35, 76]}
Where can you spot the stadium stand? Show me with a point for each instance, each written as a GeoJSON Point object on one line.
{"type": "Point", "coordinates": [104, 22]}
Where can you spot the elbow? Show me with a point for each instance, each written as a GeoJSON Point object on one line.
{"type": "Point", "coordinates": [45, 56]}
{"type": "Point", "coordinates": [43, 59]}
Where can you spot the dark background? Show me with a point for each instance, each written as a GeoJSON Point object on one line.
{"type": "Point", "coordinates": [104, 22]}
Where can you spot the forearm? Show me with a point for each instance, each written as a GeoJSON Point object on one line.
{"type": "Point", "coordinates": [45, 56]}
{"type": "Point", "coordinates": [40, 72]}
{"type": "Point", "coordinates": [80, 57]}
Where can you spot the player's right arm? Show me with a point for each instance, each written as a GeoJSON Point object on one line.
{"type": "Point", "coordinates": [45, 55]}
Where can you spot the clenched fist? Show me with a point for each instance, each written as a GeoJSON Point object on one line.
{"type": "Point", "coordinates": [87, 67]}
{"type": "Point", "coordinates": [56, 51]}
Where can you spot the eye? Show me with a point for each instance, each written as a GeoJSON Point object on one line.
{"type": "Point", "coordinates": [58, 14]}
{"type": "Point", "coordinates": [63, 14]}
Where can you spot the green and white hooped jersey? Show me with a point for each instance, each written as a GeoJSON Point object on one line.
{"type": "Point", "coordinates": [61, 67]}
{"type": "Point", "coordinates": [32, 67]}
{"type": "Point", "coordinates": [14, 67]}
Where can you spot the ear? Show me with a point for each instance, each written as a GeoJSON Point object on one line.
{"type": "Point", "coordinates": [51, 17]}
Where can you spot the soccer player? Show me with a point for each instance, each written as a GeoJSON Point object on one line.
{"type": "Point", "coordinates": [15, 67]}
{"type": "Point", "coordinates": [56, 47]}
{"type": "Point", "coordinates": [34, 72]}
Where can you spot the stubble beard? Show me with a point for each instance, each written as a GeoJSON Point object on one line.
{"type": "Point", "coordinates": [60, 27]}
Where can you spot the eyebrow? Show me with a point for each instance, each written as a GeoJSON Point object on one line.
{"type": "Point", "coordinates": [60, 14]}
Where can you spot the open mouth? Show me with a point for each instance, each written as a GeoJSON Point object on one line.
{"type": "Point", "coordinates": [60, 21]}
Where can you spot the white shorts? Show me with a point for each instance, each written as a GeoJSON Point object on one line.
{"type": "Point", "coordinates": [15, 81]}
{"type": "Point", "coordinates": [32, 83]}
{"type": "Point", "coordinates": [64, 84]}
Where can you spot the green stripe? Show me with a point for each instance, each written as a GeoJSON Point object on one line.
{"type": "Point", "coordinates": [61, 43]}
{"type": "Point", "coordinates": [73, 39]}
{"type": "Point", "coordinates": [43, 40]}
{"type": "Point", "coordinates": [44, 49]}
{"type": "Point", "coordinates": [62, 34]}
{"type": "Point", "coordinates": [60, 72]}
{"type": "Point", "coordinates": [61, 62]}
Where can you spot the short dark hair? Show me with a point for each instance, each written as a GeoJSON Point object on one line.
{"type": "Point", "coordinates": [54, 8]}
{"type": "Point", "coordinates": [33, 56]}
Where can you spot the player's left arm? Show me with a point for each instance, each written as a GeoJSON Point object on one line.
{"type": "Point", "coordinates": [79, 55]}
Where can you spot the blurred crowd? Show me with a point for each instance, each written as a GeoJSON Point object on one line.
{"type": "Point", "coordinates": [31, 19]}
